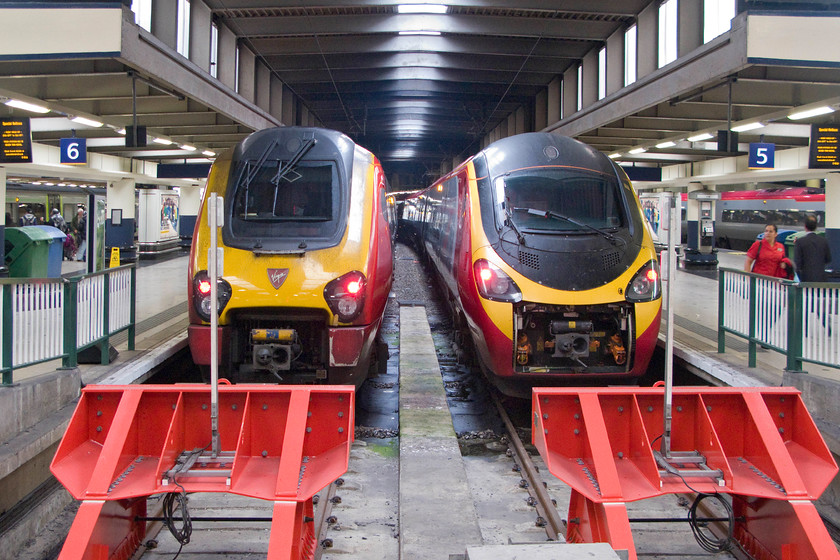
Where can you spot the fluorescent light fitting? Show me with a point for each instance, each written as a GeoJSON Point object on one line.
{"type": "Point", "coordinates": [209, 153]}
{"type": "Point", "coordinates": [121, 131]}
{"type": "Point", "coordinates": [422, 8]}
{"type": "Point", "coordinates": [26, 106]}
{"type": "Point", "coordinates": [824, 110]}
{"type": "Point", "coordinates": [187, 147]}
{"type": "Point", "coordinates": [746, 127]}
{"type": "Point", "coordinates": [613, 156]}
{"type": "Point", "coordinates": [635, 151]}
{"type": "Point", "coordinates": [163, 141]}
{"type": "Point", "coordinates": [430, 33]}
{"type": "Point", "coordinates": [700, 137]}
{"type": "Point", "coordinates": [667, 144]}
{"type": "Point", "coordinates": [89, 122]}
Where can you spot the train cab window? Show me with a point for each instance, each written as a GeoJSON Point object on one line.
{"type": "Point", "coordinates": [558, 199]}
{"type": "Point", "coordinates": [301, 202]}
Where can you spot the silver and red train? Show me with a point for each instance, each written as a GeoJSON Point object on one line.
{"type": "Point", "coordinates": [541, 247]}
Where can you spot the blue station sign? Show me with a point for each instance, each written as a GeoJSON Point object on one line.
{"type": "Point", "coordinates": [762, 155]}
{"type": "Point", "coordinates": [73, 151]}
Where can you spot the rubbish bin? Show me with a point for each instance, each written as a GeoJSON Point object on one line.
{"type": "Point", "coordinates": [27, 252]}
{"type": "Point", "coordinates": [56, 250]}
{"type": "Point", "coordinates": [790, 241]}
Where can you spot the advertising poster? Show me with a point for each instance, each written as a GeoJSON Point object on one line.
{"type": "Point", "coordinates": [168, 215]}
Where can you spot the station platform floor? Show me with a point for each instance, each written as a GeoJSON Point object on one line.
{"type": "Point", "coordinates": [695, 296]}
{"type": "Point", "coordinates": [162, 316]}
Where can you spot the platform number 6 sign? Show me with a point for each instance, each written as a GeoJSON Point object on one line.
{"type": "Point", "coordinates": [73, 151]}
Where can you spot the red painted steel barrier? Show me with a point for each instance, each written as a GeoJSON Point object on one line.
{"type": "Point", "coordinates": [759, 445]}
{"type": "Point", "coordinates": [125, 443]}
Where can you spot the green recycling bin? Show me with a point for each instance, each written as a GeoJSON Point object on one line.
{"type": "Point", "coordinates": [28, 252]}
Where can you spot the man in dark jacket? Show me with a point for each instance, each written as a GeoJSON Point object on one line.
{"type": "Point", "coordinates": [811, 253]}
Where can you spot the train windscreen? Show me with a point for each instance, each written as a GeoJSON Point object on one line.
{"type": "Point", "coordinates": [302, 201]}
{"type": "Point", "coordinates": [558, 199]}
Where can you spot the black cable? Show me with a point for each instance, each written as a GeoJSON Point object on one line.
{"type": "Point", "coordinates": [707, 542]}
{"type": "Point", "coordinates": [169, 508]}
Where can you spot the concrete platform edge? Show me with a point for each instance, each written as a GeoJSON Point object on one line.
{"type": "Point", "coordinates": [437, 517]}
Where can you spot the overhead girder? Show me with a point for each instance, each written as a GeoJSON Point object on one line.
{"type": "Point", "coordinates": [476, 45]}
{"type": "Point", "coordinates": [285, 64]}
{"type": "Point", "coordinates": [368, 75]}
{"type": "Point", "coordinates": [555, 28]}
{"type": "Point", "coordinates": [604, 7]}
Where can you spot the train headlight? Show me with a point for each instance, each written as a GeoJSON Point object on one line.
{"type": "Point", "coordinates": [494, 284]}
{"type": "Point", "coordinates": [346, 295]}
{"type": "Point", "coordinates": [201, 294]}
{"type": "Point", "coordinates": [645, 285]}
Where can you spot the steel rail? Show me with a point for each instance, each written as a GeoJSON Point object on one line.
{"type": "Point", "coordinates": [322, 514]}
{"type": "Point", "coordinates": [554, 527]}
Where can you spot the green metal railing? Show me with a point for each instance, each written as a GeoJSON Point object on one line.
{"type": "Point", "coordinates": [798, 320]}
{"type": "Point", "coordinates": [46, 319]}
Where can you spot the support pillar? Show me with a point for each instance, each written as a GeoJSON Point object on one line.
{"type": "Point", "coordinates": [832, 220]}
{"type": "Point", "coordinates": [4, 271]}
{"type": "Point", "coordinates": [189, 203]}
{"type": "Point", "coordinates": [120, 221]}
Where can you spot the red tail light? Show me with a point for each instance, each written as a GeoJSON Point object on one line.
{"type": "Point", "coordinates": [645, 284]}
{"type": "Point", "coordinates": [345, 295]}
{"type": "Point", "coordinates": [201, 294]}
{"type": "Point", "coordinates": [494, 284]}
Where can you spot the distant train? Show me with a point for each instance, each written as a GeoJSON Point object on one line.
{"type": "Point", "coordinates": [541, 247]}
{"type": "Point", "coordinates": [308, 259]}
{"type": "Point", "coordinates": [41, 199]}
{"type": "Point", "coordinates": [741, 215]}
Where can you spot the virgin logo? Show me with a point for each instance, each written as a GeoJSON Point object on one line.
{"type": "Point", "coordinates": [277, 276]}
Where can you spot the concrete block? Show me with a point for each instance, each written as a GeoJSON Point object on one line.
{"type": "Point", "coordinates": [27, 403]}
{"type": "Point", "coordinates": [550, 551]}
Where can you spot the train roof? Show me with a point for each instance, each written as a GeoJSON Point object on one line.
{"type": "Point", "coordinates": [782, 193]}
{"type": "Point", "coordinates": [538, 149]}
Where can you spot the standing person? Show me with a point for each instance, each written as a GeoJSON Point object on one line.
{"type": "Point", "coordinates": [767, 257]}
{"type": "Point", "coordinates": [57, 220]}
{"type": "Point", "coordinates": [811, 253]}
{"type": "Point", "coordinates": [29, 218]}
{"type": "Point", "coordinates": [80, 231]}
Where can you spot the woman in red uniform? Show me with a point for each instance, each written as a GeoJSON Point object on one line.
{"type": "Point", "coordinates": [768, 257]}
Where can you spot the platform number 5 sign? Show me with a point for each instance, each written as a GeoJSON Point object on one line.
{"type": "Point", "coordinates": [73, 151]}
{"type": "Point", "coordinates": [762, 155]}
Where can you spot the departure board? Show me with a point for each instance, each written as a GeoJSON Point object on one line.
{"type": "Point", "coordinates": [15, 140]}
{"type": "Point", "coordinates": [824, 150]}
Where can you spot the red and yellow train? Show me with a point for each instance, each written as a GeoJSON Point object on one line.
{"type": "Point", "coordinates": [541, 246]}
{"type": "Point", "coordinates": [308, 259]}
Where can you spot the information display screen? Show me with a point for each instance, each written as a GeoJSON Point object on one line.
{"type": "Point", "coordinates": [15, 140]}
{"type": "Point", "coordinates": [824, 152]}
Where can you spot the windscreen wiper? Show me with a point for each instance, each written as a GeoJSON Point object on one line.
{"type": "Point", "coordinates": [557, 216]}
{"type": "Point", "coordinates": [516, 230]}
{"type": "Point", "coordinates": [255, 169]}
{"type": "Point", "coordinates": [284, 169]}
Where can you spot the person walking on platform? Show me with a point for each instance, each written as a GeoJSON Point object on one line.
{"type": "Point", "coordinates": [767, 257]}
{"type": "Point", "coordinates": [80, 231]}
{"type": "Point", "coordinates": [811, 253]}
